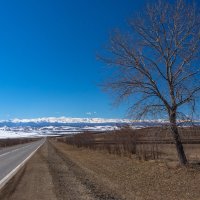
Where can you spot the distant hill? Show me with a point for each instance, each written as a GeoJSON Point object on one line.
{"type": "Point", "coordinates": [63, 125]}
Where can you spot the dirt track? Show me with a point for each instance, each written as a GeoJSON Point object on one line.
{"type": "Point", "coordinates": [50, 175]}
{"type": "Point", "coordinates": [62, 172]}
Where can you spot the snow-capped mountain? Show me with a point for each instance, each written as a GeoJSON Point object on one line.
{"type": "Point", "coordinates": [64, 125]}
{"type": "Point", "coordinates": [55, 126]}
{"type": "Point", "coordinates": [68, 120]}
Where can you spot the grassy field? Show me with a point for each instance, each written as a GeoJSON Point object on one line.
{"type": "Point", "coordinates": [61, 171]}
{"type": "Point", "coordinates": [152, 143]}
{"type": "Point", "coordinates": [120, 165]}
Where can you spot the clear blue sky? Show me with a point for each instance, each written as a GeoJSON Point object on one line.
{"type": "Point", "coordinates": [48, 56]}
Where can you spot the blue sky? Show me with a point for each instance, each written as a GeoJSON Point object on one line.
{"type": "Point", "coordinates": [48, 56]}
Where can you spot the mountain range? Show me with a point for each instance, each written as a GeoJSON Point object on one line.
{"type": "Point", "coordinates": [64, 125]}
{"type": "Point", "coordinates": [66, 120]}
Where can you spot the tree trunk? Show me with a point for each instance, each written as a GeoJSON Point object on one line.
{"type": "Point", "coordinates": [177, 139]}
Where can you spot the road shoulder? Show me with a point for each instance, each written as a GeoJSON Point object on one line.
{"type": "Point", "coordinates": [33, 181]}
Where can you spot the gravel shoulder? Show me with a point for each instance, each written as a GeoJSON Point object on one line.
{"type": "Point", "coordinates": [59, 171]}
{"type": "Point", "coordinates": [33, 181]}
{"type": "Point", "coordinates": [50, 175]}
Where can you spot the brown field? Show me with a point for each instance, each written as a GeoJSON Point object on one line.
{"type": "Point", "coordinates": [60, 171]}
{"type": "Point", "coordinates": [151, 143]}
{"type": "Point", "coordinates": [120, 165]}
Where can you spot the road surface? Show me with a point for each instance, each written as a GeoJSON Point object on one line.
{"type": "Point", "coordinates": [12, 158]}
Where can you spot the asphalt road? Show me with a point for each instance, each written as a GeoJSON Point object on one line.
{"type": "Point", "coordinates": [11, 158]}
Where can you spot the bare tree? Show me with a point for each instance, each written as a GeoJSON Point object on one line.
{"type": "Point", "coordinates": [156, 62]}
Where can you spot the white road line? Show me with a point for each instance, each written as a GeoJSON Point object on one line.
{"type": "Point", "coordinates": [1, 155]}
{"type": "Point", "coordinates": [14, 171]}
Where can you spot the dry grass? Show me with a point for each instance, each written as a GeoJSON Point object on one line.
{"type": "Point", "coordinates": [134, 179]}
{"type": "Point", "coordinates": [153, 172]}
{"type": "Point", "coordinates": [151, 143]}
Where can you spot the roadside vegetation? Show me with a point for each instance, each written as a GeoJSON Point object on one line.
{"type": "Point", "coordinates": [60, 171]}
{"type": "Point", "coordinates": [151, 143]}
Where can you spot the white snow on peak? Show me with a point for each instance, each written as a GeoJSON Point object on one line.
{"type": "Point", "coordinates": [69, 120]}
